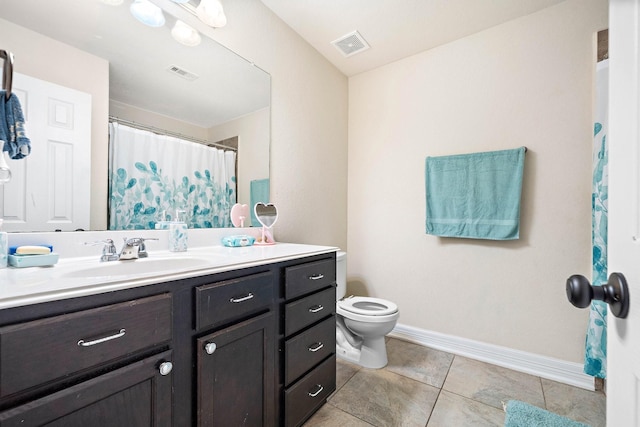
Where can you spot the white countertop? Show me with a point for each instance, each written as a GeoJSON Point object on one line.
{"type": "Point", "coordinates": [80, 276]}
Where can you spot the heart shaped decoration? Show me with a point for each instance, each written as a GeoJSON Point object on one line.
{"type": "Point", "coordinates": [239, 214]}
{"type": "Point", "coordinates": [267, 214]}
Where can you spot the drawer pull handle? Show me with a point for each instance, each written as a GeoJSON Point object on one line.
{"type": "Point", "coordinates": [317, 346]}
{"type": "Point", "coordinates": [316, 308]}
{"type": "Point", "coordinates": [120, 334]}
{"type": "Point", "coordinates": [316, 277]}
{"type": "Point", "coordinates": [210, 347]}
{"type": "Point", "coordinates": [242, 299]}
{"type": "Point", "coordinates": [317, 392]}
{"type": "Point", "coordinates": [165, 368]}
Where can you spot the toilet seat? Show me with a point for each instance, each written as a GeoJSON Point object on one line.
{"type": "Point", "coordinates": [368, 306]}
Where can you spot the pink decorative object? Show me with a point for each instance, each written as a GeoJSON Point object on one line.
{"type": "Point", "coordinates": [239, 214]}
{"type": "Point", "coordinates": [267, 215]}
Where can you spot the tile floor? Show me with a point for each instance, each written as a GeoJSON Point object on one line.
{"type": "Point", "coordinates": [426, 387]}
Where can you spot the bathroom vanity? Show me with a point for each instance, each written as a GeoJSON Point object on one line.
{"type": "Point", "coordinates": [241, 338]}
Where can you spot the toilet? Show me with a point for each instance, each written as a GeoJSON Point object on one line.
{"type": "Point", "coordinates": [361, 323]}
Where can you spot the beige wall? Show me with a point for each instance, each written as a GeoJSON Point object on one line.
{"type": "Point", "coordinates": [39, 57]}
{"type": "Point", "coordinates": [308, 124]}
{"type": "Point", "coordinates": [252, 131]}
{"type": "Point", "coordinates": [124, 111]}
{"type": "Point", "coordinates": [527, 82]}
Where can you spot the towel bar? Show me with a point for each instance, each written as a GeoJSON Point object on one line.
{"type": "Point", "coordinates": [7, 71]}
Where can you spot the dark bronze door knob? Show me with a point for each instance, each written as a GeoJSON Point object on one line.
{"type": "Point", "coordinates": [615, 293]}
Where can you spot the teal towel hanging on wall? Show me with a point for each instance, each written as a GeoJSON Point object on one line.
{"type": "Point", "coordinates": [475, 196]}
{"type": "Point", "coordinates": [259, 193]}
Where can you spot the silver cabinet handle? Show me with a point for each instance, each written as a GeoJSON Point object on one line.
{"type": "Point", "coordinates": [317, 392]}
{"type": "Point", "coordinates": [165, 368]}
{"type": "Point", "coordinates": [210, 347]}
{"type": "Point", "coordinates": [241, 299]}
{"type": "Point", "coordinates": [316, 308]}
{"type": "Point", "coordinates": [316, 277]}
{"type": "Point", "coordinates": [120, 334]}
{"type": "Point", "coordinates": [317, 346]}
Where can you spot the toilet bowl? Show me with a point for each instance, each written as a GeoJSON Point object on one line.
{"type": "Point", "coordinates": [362, 323]}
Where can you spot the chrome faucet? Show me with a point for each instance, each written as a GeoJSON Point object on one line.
{"type": "Point", "coordinates": [134, 248]}
{"type": "Point", "coordinates": [109, 252]}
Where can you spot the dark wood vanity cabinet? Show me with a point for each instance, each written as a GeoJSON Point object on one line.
{"type": "Point", "coordinates": [309, 338]}
{"type": "Point", "coordinates": [250, 347]}
{"type": "Point", "coordinates": [82, 361]}
{"type": "Point", "coordinates": [236, 363]}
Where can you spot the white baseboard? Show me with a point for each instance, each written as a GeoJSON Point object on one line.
{"type": "Point", "coordinates": [542, 366]}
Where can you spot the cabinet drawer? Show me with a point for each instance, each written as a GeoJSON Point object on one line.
{"type": "Point", "coordinates": [306, 278]}
{"type": "Point", "coordinates": [308, 310]}
{"type": "Point", "coordinates": [307, 395]}
{"type": "Point", "coordinates": [34, 353]}
{"type": "Point", "coordinates": [304, 351]}
{"type": "Point", "coordinates": [221, 302]}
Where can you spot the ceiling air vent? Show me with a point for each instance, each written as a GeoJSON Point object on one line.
{"type": "Point", "coordinates": [351, 44]}
{"type": "Point", "coordinates": [174, 69]}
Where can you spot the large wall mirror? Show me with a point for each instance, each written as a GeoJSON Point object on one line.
{"type": "Point", "coordinates": [129, 72]}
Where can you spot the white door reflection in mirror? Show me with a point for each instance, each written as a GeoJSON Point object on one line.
{"type": "Point", "coordinates": [56, 197]}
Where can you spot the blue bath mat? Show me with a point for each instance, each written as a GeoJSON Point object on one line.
{"type": "Point", "coordinates": [520, 414]}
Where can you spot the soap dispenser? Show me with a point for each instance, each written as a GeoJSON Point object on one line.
{"type": "Point", "coordinates": [178, 232]}
{"type": "Point", "coordinates": [4, 246]}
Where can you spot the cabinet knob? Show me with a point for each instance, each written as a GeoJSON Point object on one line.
{"type": "Point", "coordinates": [210, 347]}
{"type": "Point", "coordinates": [165, 368]}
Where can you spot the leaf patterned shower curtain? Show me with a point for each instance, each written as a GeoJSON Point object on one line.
{"type": "Point", "coordinates": [595, 360]}
{"type": "Point", "coordinates": [152, 175]}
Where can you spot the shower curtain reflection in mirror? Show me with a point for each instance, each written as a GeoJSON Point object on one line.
{"type": "Point", "coordinates": [153, 175]}
{"type": "Point", "coordinates": [595, 358]}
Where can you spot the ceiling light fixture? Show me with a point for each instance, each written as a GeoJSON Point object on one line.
{"type": "Point", "coordinates": [211, 13]}
{"type": "Point", "coordinates": [185, 34]}
{"type": "Point", "coordinates": [147, 13]}
{"type": "Point", "coordinates": [181, 1]}
{"type": "Point", "coordinates": [112, 2]}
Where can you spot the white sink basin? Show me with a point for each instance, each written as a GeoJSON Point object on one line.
{"type": "Point", "coordinates": [144, 266]}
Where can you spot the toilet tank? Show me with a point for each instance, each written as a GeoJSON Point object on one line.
{"type": "Point", "coordinates": [341, 274]}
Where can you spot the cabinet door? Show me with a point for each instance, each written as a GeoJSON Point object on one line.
{"type": "Point", "coordinates": [236, 375]}
{"type": "Point", "coordinates": [136, 395]}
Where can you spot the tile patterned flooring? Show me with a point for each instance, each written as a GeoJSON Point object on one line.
{"type": "Point", "coordinates": [426, 387]}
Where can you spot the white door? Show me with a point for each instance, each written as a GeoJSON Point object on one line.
{"type": "Point", "coordinates": [50, 188]}
{"type": "Point", "coordinates": [623, 356]}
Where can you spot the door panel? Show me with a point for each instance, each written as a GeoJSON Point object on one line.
{"type": "Point", "coordinates": [137, 395]}
{"type": "Point", "coordinates": [50, 188]}
{"type": "Point", "coordinates": [623, 365]}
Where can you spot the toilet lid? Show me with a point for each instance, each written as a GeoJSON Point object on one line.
{"type": "Point", "coordinates": [368, 306]}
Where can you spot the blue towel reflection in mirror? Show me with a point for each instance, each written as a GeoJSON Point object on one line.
{"type": "Point", "coordinates": [12, 129]}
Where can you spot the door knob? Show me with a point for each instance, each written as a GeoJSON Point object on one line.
{"type": "Point", "coordinates": [615, 293]}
